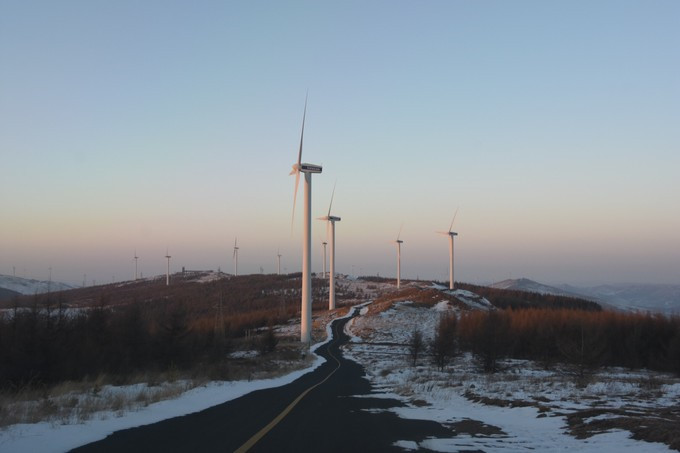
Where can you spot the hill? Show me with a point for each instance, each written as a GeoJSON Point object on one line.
{"type": "Point", "coordinates": [525, 293]}
{"type": "Point", "coordinates": [29, 286]}
{"type": "Point", "coordinates": [524, 284]}
{"type": "Point", "coordinates": [635, 297]}
{"type": "Point", "coordinates": [8, 294]}
{"type": "Point", "coordinates": [628, 297]}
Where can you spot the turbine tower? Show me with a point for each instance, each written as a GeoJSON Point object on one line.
{"type": "Point", "coordinates": [308, 170]}
{"type": "Point", "coordinates": [324, 244]}
{"type": "Point", "coordinates": [167, 273]}
{"type": "Point", "coordinates": [235, 257]}
{"type": "Point", "coordinates": [330, 227]}
{"type": "Point", "coordinates": [399, 242]}
{"type": "Point", "coordinates": [450, 234]}
{"type": "Point", "coordinates": [278, 265]}
{"type": "Point", "coordinates": [136, 257]}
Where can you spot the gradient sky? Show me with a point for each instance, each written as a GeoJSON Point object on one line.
{"type": "Point", "coordinates": [553, 126]}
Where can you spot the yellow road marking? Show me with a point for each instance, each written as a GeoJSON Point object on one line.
{"type": "Point", "coordinates": [261, 433]}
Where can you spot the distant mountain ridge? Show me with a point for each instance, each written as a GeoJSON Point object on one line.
{"type": "Point", "coordinates": [27, 286]}
{"type": "Point", "coordinates": [630, 297]}
{"type": "Point", "coordinates": [524, 284]}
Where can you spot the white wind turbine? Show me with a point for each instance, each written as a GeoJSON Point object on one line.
{"type": "Point", "coordinates": [324, 244]}
{"type": "Point", "coordinates": [167, 273]}
{"type": "Point", "coordinates": [235, 257]}
{"type": "Point", "coordinates": [136, 257]}
{"type": "Point", "coordinates": [307, 170]}
{"type": "Point", "coordinates": [450, 234]}
{"type": "Point", "coordinates": [278, 265]}
{"type": "Point", "coordinates": [399, 242]}
{"type": "Point", "coordinates": [330, 231]}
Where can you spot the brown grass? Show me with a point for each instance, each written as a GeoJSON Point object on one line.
{"type": "Point", "coordinates": [651, 425]}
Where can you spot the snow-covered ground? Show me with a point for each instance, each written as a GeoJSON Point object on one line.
{"type": "Point", "coordinates": [72, 431]}
{"type": "Point", "coordinates": [523, 408]}
{"type": "Point", "coordinates": [29, 286]}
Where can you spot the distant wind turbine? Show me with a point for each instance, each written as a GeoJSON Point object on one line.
{"type": "Point", "coordinates": [235, 257]}
{"type": "Point", "coordinates": [278, 264]}
{"type": "Point", "coordinates": [330, 228]}
{"type": "Point", "coordinates": [167, 273]}
{"type": "Point", "coordinates": [450, 234]}
{"type": "Point", "coordinates": [324, 244]}
{"type": "Point", "coordinates": [399, 242]}
{"type": "Point", "coordinates": [307, 170]}
{"type": "Point", "coordinates": [136, 257]}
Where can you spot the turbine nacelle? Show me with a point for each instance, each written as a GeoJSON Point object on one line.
{"type": "Point", "coordinates": [310, 168]}
{"type": "Point", "coordinates": [306, 168]}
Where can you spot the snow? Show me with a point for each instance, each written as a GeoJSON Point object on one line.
{"type": "Point", "coordinates": [50, 437]}
{"type": "Point", "coordinates": [27, 286]}
{"type": "Point", "coordinates": [441, 306]}
{"type": "Point", "coordinates": [47, 437]}
{"type": "Point", "coordinates": [448, 397]}
{"type": "Point", "coordinates": [471, 299]}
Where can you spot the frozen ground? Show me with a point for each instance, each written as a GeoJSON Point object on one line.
{"type": "Point", "coordinates": [525, 407]}
{"type": "Point", "coordinates": [72, 431]}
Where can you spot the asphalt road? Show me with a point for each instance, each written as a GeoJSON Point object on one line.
{"type": "Point", "coordinates": [336, 414]}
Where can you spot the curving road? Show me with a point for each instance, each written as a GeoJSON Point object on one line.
{"type": "Point", "coordinates": [328, 409]}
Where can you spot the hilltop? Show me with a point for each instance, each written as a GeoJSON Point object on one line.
{"type": "Point", "coordinates": [27, 286]}
{"type": "Point", "coordinates": [625, 296]}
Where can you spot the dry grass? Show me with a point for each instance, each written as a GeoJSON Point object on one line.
{"type": "Point", "coordinates": [74, 402]}
{"type": "Point", "coordinates": [652, 425]}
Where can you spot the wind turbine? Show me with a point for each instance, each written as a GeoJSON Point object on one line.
{"type": "Point", "coordinates": [278, 265]}
{"type": "Point", "coordinates": [136, 257]}
{"type": "Point", "coordinates": [399, 242]}
{"type": "Point", "coordinates": [307, 170]}
{"type": "Point", "coordinates": [324, 244]}
{"type": "Point", "coordinates": [450, 234]}
{"type": "Point", "coordinates": [235, 257]}
{"type": "Point", "coordinates": [330, 227]}
{"type": "Point", "coordinates": [167, 273]}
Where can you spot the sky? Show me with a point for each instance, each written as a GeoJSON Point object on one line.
{"type": "Point", "coordinates": [552, 127]}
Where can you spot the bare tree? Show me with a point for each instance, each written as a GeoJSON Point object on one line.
{"type": "Point", "coordinates": [416, 345]}
{"type": "Point", "coordinates": [492, 340]}
{"type": "Point", "coordinates": [443, 345]}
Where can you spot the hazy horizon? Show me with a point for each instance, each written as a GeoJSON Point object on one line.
{"type": "Point", "coordinates": [138, 127]}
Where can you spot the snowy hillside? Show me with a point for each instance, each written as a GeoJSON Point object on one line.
{"type": "Point", "coordinates": [524, 284]}
{"type": "Point", "coordinates": [629, 297]}
{"type": "Point", "coordinates": [30, 286]}
{"type": "Point", "coordinates": [657, 298]}
{"type": "Point", "coordinates": [524, 407]}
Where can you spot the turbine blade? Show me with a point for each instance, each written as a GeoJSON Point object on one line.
{"type": "Point", "coordinates": [297, 183]}
{"type": "Point", "coordinates": [302, 133]}
{"type": "Point", "coordinates": [328, 230]}
{"type": "Point", "coordinates": [332, 195]}
{"type": "Point", "coordinates": [454, 219]}
{"type": "Point", "coordinates": [400, 228]}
